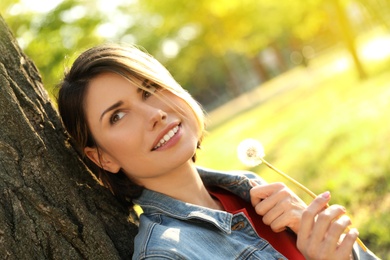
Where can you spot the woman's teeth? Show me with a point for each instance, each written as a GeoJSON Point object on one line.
{"type": "Point", "coordinates": [167, 137]}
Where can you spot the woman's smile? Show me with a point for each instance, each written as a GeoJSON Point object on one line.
{"type": "Point", "coordinates": [170, 137]}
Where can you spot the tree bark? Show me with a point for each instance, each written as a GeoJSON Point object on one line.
{"type": "Point", "coordinates": [51, 207]}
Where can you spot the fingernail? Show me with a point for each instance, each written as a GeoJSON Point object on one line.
{"type": "Point", "coordinates": [355, 231]}
{"type": "Point", "coordinates": [325, 195]}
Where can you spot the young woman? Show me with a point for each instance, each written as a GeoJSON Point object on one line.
{"type": "Point", "coordinates": [141, 128]}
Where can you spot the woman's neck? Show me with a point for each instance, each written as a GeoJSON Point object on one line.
{"type": "Point", "coordinates": [184, 184]}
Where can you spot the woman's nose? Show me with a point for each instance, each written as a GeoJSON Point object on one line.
{"type": "Point", "coordinates": [156, 117]}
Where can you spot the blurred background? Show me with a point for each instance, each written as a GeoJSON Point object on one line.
{"type": "Point", "coordinates": [309, 79]}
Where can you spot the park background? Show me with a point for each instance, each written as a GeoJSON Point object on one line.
{"type": "Point", "coordinates": [309, 79]}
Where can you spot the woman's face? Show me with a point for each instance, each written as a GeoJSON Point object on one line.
{"type": "Point", "coordinates": [136, 131]}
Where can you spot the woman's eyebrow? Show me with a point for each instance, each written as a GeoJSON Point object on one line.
{"type": "Point", "coordinates": [110, 108]}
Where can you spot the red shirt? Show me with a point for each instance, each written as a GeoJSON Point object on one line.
{"type": "Point", "coordinates": [284, 242]}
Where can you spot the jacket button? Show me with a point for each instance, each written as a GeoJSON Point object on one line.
{"type": "Point", "coordinates": [238, 225]}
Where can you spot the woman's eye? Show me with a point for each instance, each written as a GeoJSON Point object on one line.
{"type": "Point", "coordinates": [151, 88]}
{"type": "Point", "coordinates": [146, 94]}
{"type": "Point", "coordinates": [116, 117]}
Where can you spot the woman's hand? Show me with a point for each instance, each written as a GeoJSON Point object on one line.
{"type": "Point", "coordinates": [320, 235]}
{"type": "Point", "coordinates": [278, 205]}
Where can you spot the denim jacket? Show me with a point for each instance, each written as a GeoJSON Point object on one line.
{"type": "Point", "coordinates": [172, 229]}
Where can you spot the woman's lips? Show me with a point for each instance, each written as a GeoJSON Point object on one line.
{"type": "Point", "coordinates": [166, 136]}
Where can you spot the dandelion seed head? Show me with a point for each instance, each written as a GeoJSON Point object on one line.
{"type": "Point", "coordinates": [250, 152]}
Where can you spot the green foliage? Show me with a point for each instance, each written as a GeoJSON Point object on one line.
{"type": "Point", "coordinates": [52, 38]}
{"type": "Point", "coordinates": [211, 30]}
{"type": "Point", "coordinates": [209, 46]}
{"type": "Point", "coordinates": [329, 132]}
{"type": "Point", "coordinates": [238, 26]}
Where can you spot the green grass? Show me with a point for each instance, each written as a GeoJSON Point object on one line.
{"type": "Point", "coordinates": [328, 130]}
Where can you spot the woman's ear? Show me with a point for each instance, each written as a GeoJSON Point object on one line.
{"type": "Point", "coordinates": [101, 160]}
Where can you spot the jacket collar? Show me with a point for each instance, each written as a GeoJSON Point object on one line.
{"type": "Point", "coordinates": [156, 203]}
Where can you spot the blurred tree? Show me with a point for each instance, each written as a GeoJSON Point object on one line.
{"type": "Point", "coordinates": [218, 29]}
{"type": "Point", "coordinates": [51, 207]}
{"type": "Point", "coordinates": [348, 36]}
{"type": "Point", "coordinates": [52, 37]}
{"type": "Point", "coordinates": [378, 10]}
{"type": "Point", "coordinates": [216, 49]}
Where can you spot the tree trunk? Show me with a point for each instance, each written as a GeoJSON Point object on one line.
{"type": "Point", "coordinates": [260, 69]}
{"type": "Point", "coordinates": [349, 38]}
{"type": "Point", "coordinates": [51, 207]}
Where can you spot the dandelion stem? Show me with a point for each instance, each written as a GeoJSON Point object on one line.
{"type": "Point", "coordinates": [305, 189]}
{"type": "Point", "coordinates": [297, 183]}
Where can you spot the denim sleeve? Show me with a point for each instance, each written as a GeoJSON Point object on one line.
{"type": "Point", "coordinates": [360, 254]}
{"type": "Point", "coordinates": [157, 255]}
{"type": "Point", "coordinates": [253, 177]}
{"type": "Point", "coordinates": [158, 258]}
